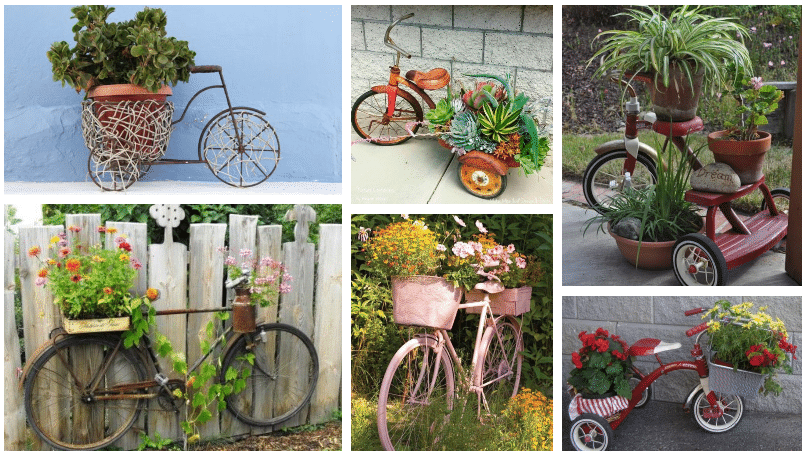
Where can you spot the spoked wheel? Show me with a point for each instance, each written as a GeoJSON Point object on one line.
{"type": "Point", "coordinates": [698, 261]}
{"type": "Point", "coordinates": [781, 198]}
{"type": "Point", "coordinates": [370, 120]}
{"type": "Point", "coordinates": [113, 171]}
{"type": "Point", "coordinates": [646, 394]}
{"type": "Point", "coordinates": [243, 159]}
{"type": "Point", "coordinates": [711, 420]}
{"type": "Point", "coordinates": [603, 178]}
{"type": "Point", "coordinates": [71, 389]}
{"type": "Point", "coordinates": [481, 183]}
{"type": "Point", "coordinates": [416, 396]}
{"type": "Point", "coordinates": [591, 432]}
{"type": "Point", "coordinates": [282, 367]}
{"type": "Point", "coordinates": [499, 372]}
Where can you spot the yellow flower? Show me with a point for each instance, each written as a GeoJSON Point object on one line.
{"type": "Point", "coordinates": [124, 257]}
{"type": "Point", "coordinates": [54, 239]}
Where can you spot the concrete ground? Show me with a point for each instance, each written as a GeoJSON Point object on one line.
{"type": "Point", "coordinates": [663, 426]}
{"type": "Point", "coordinates": [56, 190]}
{"type": "Point", "coordinates": [420, 171]}
{"type": "Point", "coordinates": [594, 259]}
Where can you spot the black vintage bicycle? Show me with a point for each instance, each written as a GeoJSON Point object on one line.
{"type": "Point", "coordinates": [238, 145]}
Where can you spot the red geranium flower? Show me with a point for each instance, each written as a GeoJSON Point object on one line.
{"type": "Point", "coordinates": [601, 345]}
{"type": "Point", "coordinates": [757, 360]}
{"type": "Point", "coordinates": [576, 360]}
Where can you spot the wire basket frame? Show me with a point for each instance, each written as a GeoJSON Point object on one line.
{"type": "Point", "coordinates": [125, 133]}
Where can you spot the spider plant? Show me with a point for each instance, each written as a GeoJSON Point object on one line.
{"type": "Point", "coordinates": [688, 39]}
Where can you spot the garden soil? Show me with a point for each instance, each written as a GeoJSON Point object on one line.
{"type": "Point", "coordinates": [327, 438]}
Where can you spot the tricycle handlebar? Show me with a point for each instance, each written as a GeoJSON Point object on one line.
{"type": "Point", "coordinates": [693, 311]}
{"type": "Point", "coordinates": [700, 328]}
{"type": "Point", "coordinates": [391, 44]}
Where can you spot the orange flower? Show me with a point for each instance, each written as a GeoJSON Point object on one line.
{"type": "Point", "coordinates": [108, 290]}
{"type": "Point", "coordinates": [34, 251]}
{"type": "Point", "coordinates": [152, 294]}
{"type": "Point", "coordinates": [111, 230]}
{"type": "Point", "coordinates": [72, 265]}
{"type": "Point", "coordinates": [42, 272]}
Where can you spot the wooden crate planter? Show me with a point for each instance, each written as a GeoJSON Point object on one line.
{"type": "Point", "coordinates": [95, 325]}
{"type": "Point", "coordinates": [511, 301]}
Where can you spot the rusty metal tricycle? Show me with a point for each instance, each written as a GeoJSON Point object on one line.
{"type": "Point", "coordinates": [389, 115]}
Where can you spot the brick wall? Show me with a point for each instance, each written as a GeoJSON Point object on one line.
{"type": "Point", "coordinates": [462, 39]}
{"type": "Point", "coordinates": [636, 317]}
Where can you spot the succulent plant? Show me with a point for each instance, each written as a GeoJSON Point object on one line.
{"type": "Point", "coordinates": [442, 112]}
{"type": "Point", "coordinates": [509, 147]}
{"type": "Point", "coordinates": [464, 130]}
{"type": "Point", "coordinates": [485, 93]}
{"type": "Point", "coordinates": [499, 123]}
{"type": "Point", "coordinates": [458, 105]}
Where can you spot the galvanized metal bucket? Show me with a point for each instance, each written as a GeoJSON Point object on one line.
{"type": "Point", "coordinates": [727, 380]}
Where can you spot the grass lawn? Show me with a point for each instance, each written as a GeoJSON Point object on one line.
{"type": "Point", "coordinates": [578, 151]}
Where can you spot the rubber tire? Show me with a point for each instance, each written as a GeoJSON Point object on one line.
{"type": "Point", "coordinates": [429, 344]}
{"type": "Point", "coordinates": [401, 135]}
{"type": "Point", "coordinates": [272, 153]}
{"type": "Point", "coordinates": [130, 360]}
{"type": "Point", "coordinates": [599, 423]}
{"type": "Point", "coordinates": [709, 249]}
{"type": "Point", "coordinates": [600, 161]}
{"type": "Point", "coordinates": [700, 397]}
{"type": "Point", "coordinates": [303, 395]}
{"type": "Point", "coordinates": [646, 394]}
{"type": "Point", "coordinates": [777, 192]}
{"type": "Point", "coordinates": [496, 183]}
{"type": "Point", "coordinates": [492, 360]}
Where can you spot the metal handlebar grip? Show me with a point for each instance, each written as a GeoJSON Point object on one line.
{"type": "Point", "coordinates": [205, 69]}
{"type": "Point", "coordinates": [697, 329]}
{"type": "Point", "coordinates": [693, 311]}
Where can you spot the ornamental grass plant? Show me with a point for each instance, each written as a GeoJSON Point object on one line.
{"type": "Point", "coordinates": [757, 343]}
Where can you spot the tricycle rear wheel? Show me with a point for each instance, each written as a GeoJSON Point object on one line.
{"type": "Point", "coordinates": [481, 183]}
{"type": "Point", "coordinates": [590, 432]}
{"type": "Point", "coordinates": [698, 261]}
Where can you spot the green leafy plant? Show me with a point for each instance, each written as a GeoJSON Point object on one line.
{"type": "Point", "coordinates": [754, 102]}
{"type": "Point", "coordinates": [442, 113]}
{"type": "Point", "coordinates": [688, 39]}
{"type": "Point", "coordinates": [756, 343]}
{"type": "Point", "coordinates": [133, 52]}
{"type": "Point", "coordinates": [602, 365]}
{"type": "Point", "coordinates": [157, 443]}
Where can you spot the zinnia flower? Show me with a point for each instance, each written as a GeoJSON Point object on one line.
{"type": "Point", "coordinates": [40, 281]}
{"type": "Point", "coordinates": [44, 273]}
{"type": "Point", "coordinates": [74, 228]}
{"type": "Point", "coordinates": [108, 290]}
{"type": "Point", "coordinates": [34, 251]}
{"type": "Point", "coordinates": [152, 294]}
{"type": "Point", "coordinates": [72, 265]}
{"type": "Point", "coordinates": [124, 257]}
{"type": "Point", "coordinates": [101, 229]}
{"type": "Point", "coordinates": [64, 251]}
{"type": "Point", "coordinates": [125, 246]}
{"type": "Point", "coordinates": [136, 264]}
{"type": "Point", "coordinates": [111, 230]}
{"type": "Point", "coordinates": [76, 278]}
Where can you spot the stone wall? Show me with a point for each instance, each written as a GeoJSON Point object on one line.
{"type": "Point", "coordinates": [637, 317]}
{"type": "Point", "coordinates": [462, 39]}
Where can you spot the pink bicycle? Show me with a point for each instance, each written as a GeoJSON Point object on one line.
{"type": "Point", "coordinates": [713, 411]}
{"type": "Point", "coordinates": [419, 391]}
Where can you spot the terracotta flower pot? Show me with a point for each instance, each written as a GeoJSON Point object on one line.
{"type": "Point", "coordinates": [744, 157]}
{"type": "Point", "coordinates": [652, 255]}
{"type": "Point", "coordinates": [679, 101]}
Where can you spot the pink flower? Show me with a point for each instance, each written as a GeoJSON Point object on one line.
{"type": "Point", "coordinates": [405, 216]}
{"type": "Point", "coordinates": [459, 221]}
{"type": "Point", "coordinates": [767, 45]}
{"type": "Point", "coordinates": [441, 248]}
{"type": "Point", "coordinates": [230, 261]}
{"type": "Point", "coordinates": [753, 30]}
{"type": "Point", "coordinates": [770, 63]}
{"type": "Point", "coordinates": [481, 227]}
{"type": "Point", "coordinates": [40, 281]}
{"type": "Point", "coordinates": [511, 248]}
{"type": "Point", "coordinates": [136, 264]}
{"type": "Point", "coordinates": [462, 250]}
{"type": "Point", "coordinates": [521, 263]}
{"type": "Point", "coordinates": [489, 262]}
{"type": "Point", "coordinates": [285, 288]}
{"type": "Point", "coordinates": [757, 82]}
{"type": "Point", "coordinates": [783, 63]}
{"type": "Point", "coordinates": [245, 252]}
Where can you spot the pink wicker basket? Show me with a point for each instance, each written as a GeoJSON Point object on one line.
{"type": "Point", "coordinates": [428, 301]}
{"type": "Point", "coordinates": [511, 301]}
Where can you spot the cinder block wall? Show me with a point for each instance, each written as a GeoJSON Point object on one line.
{"type": "Point", "coordinates": [462, 39]}
{"type": "Point", "coordinates": [637, 317]}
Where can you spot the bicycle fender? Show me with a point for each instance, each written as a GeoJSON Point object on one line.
{"type": "Point", "coordinates": [620, 144]}
{"type": "Point", "coordinates": [26, 370]}
{"type": "Point", "coordinates": [401, 93]}
{"type": "Point", "coordinates": [692, 394]}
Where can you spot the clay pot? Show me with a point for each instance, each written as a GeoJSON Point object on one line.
{"type": "Point", "coordinates": [652, 255]}
{"type": "Point", "coordinates": [679, 101]}
{"type": "Point", "coordinates": [744, 157]}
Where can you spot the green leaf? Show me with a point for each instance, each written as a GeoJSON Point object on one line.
{"type": "Point", "coordinates": [198, 400]}
{"type": "Point", "coordinates": [138, 51]}
{"type": "Point", "coordinates": [204, 416]}
{"type": "Point", "coordinates": [231, 374]}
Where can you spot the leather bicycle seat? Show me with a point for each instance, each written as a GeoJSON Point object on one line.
{"type": "Point", "coordinates": [430, 80]}
{"type": "Point", "coordinates": [648, 346]}
{"type": "Point", "coordinates": [675, 129]}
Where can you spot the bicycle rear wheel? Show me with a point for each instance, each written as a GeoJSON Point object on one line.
{"type": "Point", "coordinates": [416, 396]}
{"type": "Point", "coordinates": [280, 379]}
{"type": "Point", "coordinates": [113, 171]}
{"type": "Point", "coordinates": [499, 372]}
{"type": "Point", "coordinates": [245, 162]}
{"type": "Point", "coordinates": [70, 394]}
{"type": "Point", "coordinates": [369, 117]}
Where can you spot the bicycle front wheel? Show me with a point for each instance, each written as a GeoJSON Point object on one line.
{"type": "Point", "coordinates": [603, 178]}
{"type": "Point", "coordinates": [279, 367]}
{"type": "Point", "coordinates": [499, 372]}
{"type": "Point", "coordinates": [370, 120]}
{"type": "Point", "coordinates": [416, 396]}
{"type": "Point", "coordinates": [240, 148]}
{"type": "Point", "coordinates": [75, 392]}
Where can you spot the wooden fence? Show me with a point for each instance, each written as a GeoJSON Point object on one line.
{"type": "Point", "coordinates": [189, 277]}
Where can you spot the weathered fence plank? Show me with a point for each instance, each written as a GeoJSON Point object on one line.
{"type": "Point", "coordinates": [14, 410]}
{"type": "Point", "coordinates": [207, 282]}
{"type": "Point", "coordinates": [296, 307]}
{"type": "Point", "coordinates": [328, 323]}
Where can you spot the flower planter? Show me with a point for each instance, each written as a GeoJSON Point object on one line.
{"type": "Point", "coordinates": [427, 301]}
{"type": "Point", "coordinates": [511, 301]}
{"type": "Point", "coordinates": [679, 101]}
{"type": "Point", "coordinates": [243, 312]}
{"type": "Point", "coordinates": [725, 379]}
{"type": "Point", "coordinates": [95, 325]}
{"type": "Point", "coordinates": [652, 255]}
{"type": "Point", "coordinates": [744, 157]}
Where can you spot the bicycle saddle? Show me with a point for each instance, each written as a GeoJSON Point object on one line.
{"type": "Point", "coordinates": [430, 80]}
{"type": "Point", "coordinates": [648, 346]}
{"type": "Point", "coordinates": [676, 129]}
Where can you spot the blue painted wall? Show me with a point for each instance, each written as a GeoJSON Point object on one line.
{"type": "Point", "coordinates": [274, 59]}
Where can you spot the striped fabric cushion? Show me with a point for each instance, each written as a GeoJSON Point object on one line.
{"type": "Point", "coordinates": [603, 407]}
